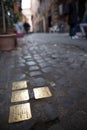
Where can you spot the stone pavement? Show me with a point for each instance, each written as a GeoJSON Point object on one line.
{"type": "Point", "coordinates": [55, 70]}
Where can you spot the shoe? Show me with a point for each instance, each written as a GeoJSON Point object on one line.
{"type": "Point", "coordinates": [73, 37]}
{"type": "Point", "coordinates": [76, 36]}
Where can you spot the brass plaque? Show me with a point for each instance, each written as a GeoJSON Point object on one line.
{"type": "Point", "coordinates": [19, 85]}
{"type": "Point", "coordinates": [20, 113]}
{"type": "Point", "coordinates": [42, 92]}
{"type": "Point", "coordinates": [21, 95]}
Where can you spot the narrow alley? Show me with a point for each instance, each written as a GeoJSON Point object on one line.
{"type": "Point", "coordinates": [43, 64]}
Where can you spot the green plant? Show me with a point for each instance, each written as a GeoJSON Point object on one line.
{"type": "Point", "coordinates": [7, 14]}
{"type": "Point", "coordinates": [16, 17]}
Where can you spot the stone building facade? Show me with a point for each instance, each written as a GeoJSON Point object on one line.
{"type": "Point", "coordinates": [47, 13]}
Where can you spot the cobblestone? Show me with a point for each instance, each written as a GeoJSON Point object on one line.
{"type": "Point", "coordinates": [43, 64]}
{"type": "Point", "coordinates": [33, 68]}
{"type": "Point", "coordinates": [40, 61]}
{"type": "Point", "coordinates": [35, 73]}
{"type": "Point", "coordinates": [30, 63]}
{"type": "Point", "coordinates": [47, 69]}
{"type": "Point", "coordinates": [38, 82]}
{"type": "Point", "coordinates": [27, 57]}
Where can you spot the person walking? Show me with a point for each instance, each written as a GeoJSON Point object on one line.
{"type": "Point", "coordinates": [73, 18]}
{"type": "Point", "coordinates": [26, 26]}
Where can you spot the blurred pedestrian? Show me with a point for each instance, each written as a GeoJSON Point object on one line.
{"type": "Point", "coordinates": [26, 26]}
{"type": "Point", "coordinates": [19, 29]}
{"type": "Point", "coordinates": [73, 18]}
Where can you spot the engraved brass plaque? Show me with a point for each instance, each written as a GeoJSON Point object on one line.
{"type": "Point", "coordinates": [20, 113]}
{"type": "Point", "coordinates": [21, 95]}
{"type": "Point", "coordinates": [42, 92]}
{"type": "Point", "coordinates": [19, 85]}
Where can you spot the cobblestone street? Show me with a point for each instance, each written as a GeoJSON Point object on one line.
{"type": "Point", "coordinates": [46, 60]}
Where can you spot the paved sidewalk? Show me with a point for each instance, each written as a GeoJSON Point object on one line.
{"type": "Point", "coordinates": [53, 91]}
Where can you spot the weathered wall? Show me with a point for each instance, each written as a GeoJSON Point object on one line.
{"type": "Point", "coordinates": [46, 14]}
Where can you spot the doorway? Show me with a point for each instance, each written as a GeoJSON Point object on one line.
{"type": "Point", "coordinates": [49, 21]}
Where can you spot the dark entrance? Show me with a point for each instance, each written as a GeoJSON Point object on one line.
{"type": "Point", "coordinates": [49, 21]}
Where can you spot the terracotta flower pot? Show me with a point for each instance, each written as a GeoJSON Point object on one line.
{"type": "Point", "coordinates": [10, 30]}
{"type": "Point", "coordinates": [7, 41]}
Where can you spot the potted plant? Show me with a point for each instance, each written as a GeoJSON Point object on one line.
{"type": "Point", "coordinates": [7, 40]}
